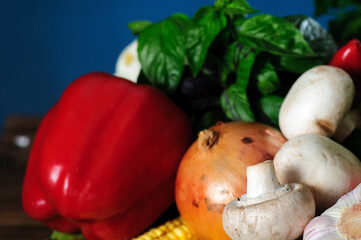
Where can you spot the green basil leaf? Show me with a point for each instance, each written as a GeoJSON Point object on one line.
{"type": "Point", "coordinates": [321, 42]}
{"type": "Point", "coordinates": [266, 76]}
{"type": "Point", "coordinates": [347, 26]}
{"type": "Point", "coordinates": [220, 4]}
{"type": "Point", "coordinates": [203, 11]}
{"type": "Point", "coordinates": [273, 34]}
{"type": "Point", "coordinates": [239, 7]}
{"type": "Point", "coordinates": [232, 56]}
{"type": "Point", "coordinates": [182, 21]}
{"type": "Point", "coordinates": [270, 106]}
{"type": "Point", "coordinates": [234, 99]}
{"type": "Point", "coordinates": [235, 104]}
{"type": "Point", "coordinates": [323, 6]}
{"type": "Point", "coordinates": [138, 26]}
{"type": "Point", "coordinates": [298, 65]}
{"type": "Point", "coordinates": [230, 62]}
{"type": "Point", "coordinates": [63, 236]}
{"type": "Point", "coordinates": [200, 36]}
{"type": "Point", "coordinates": [161, 50]}
{"type": "Point", "coordinates": [345, 23]}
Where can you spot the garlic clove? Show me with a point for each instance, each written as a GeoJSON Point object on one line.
{"type": "Point", "coordinates": [341, 221]}
{"type": "Point", "coordinates": [128, 65]}
{"type": "Point", "coordinates": [321, 228]}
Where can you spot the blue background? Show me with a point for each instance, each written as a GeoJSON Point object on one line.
{"type": "Point", "coordinates": [46, 44]}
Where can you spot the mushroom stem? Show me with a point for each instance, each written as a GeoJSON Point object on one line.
{"type": "Point", "coordinates": [261, 179]}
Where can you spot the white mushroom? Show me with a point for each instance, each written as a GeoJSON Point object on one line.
{"type": "Point", "coordinates": [346, 127]}
{"type": "Point", "coordinates": [128, 65]}
{"type": "Point", "coordinates": [268, 210]}
{"type": "Point", "coordinates": [326, 167]}
{"type": "Point", "coordinates": [341, 221]}
{"type": "Point", "coordinates": [317, 102]}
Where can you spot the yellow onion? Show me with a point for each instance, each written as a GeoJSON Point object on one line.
{"type": "Point", "coordinates": [213, 172]}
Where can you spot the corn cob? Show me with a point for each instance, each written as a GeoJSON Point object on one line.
{"type": "Point", "coordinates": [175, 229]}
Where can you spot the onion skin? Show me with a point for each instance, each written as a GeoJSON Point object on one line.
{"type": "Point", "coordinates": [213, 172]}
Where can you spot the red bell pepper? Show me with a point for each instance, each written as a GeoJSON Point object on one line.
{"type": "Point", "coordinates": [104, 158]}
{"type": "Point", "coordinates": [348, 58]}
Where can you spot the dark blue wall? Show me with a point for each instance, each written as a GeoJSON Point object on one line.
{"type": "Point", "coordinates": [45, 44]}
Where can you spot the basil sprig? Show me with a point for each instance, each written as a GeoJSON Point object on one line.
{"type": "Point", "coordinates": [161, 50]}
{"type": "Point", "coordinates": [207, 24]}
{"type": "Point", "coordinates": [273, 34]}
{"type": "Point", "coordinates": [251, 57]}
{"type": "Point", "coordinates": [234, 99]}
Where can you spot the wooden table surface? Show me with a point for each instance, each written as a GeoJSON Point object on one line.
{"type": "Point", "coordinates": [14, 223]}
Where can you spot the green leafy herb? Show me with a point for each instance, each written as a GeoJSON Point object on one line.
{"type": "Point", "coordinates": [138, 26]}
{"type": "Point", "coordinates": [346, 18]}
{"type": "Point", "coordinates": [347, 26]}
{"type": "Point", "coordinates": [63, 236]}
{"type": "Point", "coordinates": [208, 24]}
{"type": "Point", "coordinates": [270, 106]}
{"type": "Point", "coordinates": [161, 50]}
{"type": "Point", "coordinates": [236, 105]}
{"type": "Point", "coordinates": [266, 76]}
{"type": "Point", "coordinates": [234, 99]}
{"type": "Point", "coordinates": [182, 21]}
{"type": "Point", "coordinates": [239, 7]}
{"type": "Point", "coordinates": [321, 42]}
{"type": "Point", "coordinates": [275, 35]}
{"type": "Point", "coordinates": [323, 6]}
{"type": "Point", "coordinates": [243, 60]}
{"type": "Point", "coordinates": [298, 65]}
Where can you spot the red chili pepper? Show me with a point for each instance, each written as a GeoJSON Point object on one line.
{"type": "Point", "coordinates": [348, 58]}
{"type": "Point", "coordinates": [105, 157]}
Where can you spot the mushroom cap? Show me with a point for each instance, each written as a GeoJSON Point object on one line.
{"type": "Point", "coordinates": [326, 167]}
{"type": "Point", "coordinates": [317, 102]}
{"type": "Point", "coordinates": [281, 217]}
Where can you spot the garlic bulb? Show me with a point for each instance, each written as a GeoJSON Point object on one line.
{"type": "Point", "coordinates": [128, 65]}
{"type": "Point", "coordinates": [341, 221]}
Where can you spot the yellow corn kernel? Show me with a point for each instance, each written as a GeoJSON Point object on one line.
{"type": "Point", "coordinates": [175, 229]}
{"type": "Point", "coordinates": [157, 232]}
{"type": "Point", "coordinates": [179, 233]}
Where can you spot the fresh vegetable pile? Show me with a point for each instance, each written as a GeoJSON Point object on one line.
{"type": "Point", "coordinates": [271, 104]}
